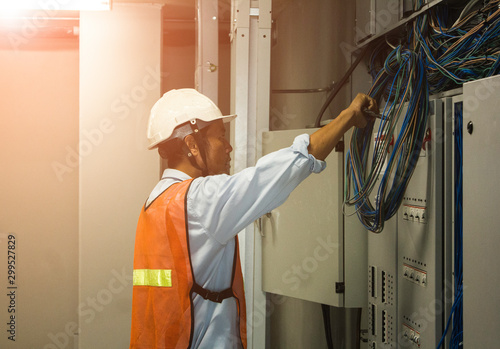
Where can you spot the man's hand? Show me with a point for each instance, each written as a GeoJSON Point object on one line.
{"type": "Point", "coordinates": [359, 118]}
{"type": "Point", "coordinates": [324, 140]}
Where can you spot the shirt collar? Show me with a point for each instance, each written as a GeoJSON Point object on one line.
{"type": "Point", "coordinates": [175, 174]}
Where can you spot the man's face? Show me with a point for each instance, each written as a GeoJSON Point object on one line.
{"type": "Point", "coordinates": [217, 149]}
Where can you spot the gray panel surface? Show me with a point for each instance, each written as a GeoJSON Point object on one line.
{"type": "Point", "coordinates": [480, 233]}
{"type": "Point", "coordinates": [302, 242]}
{"type": "Point", "coordinates": [365, 26]}
{"type": "Point", "coordinates": [405, 261]}
{"type": "Point", "coordinates": [420, 244]}
{"type": "Point", "coordinates": [382, 278]}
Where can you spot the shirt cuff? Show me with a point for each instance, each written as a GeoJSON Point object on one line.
{"type": "Point", "coordinates": [300, 145]}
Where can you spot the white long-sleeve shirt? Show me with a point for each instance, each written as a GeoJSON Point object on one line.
{"type": "Point", "coordinates": [218, 207]}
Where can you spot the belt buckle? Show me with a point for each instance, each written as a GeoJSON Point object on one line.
{"type": "Point", "coordinates": [214, 297]}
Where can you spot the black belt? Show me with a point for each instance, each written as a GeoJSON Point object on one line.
{"type": "Point", "coordinates": [216, 297]}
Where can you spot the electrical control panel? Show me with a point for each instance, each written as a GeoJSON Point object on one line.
{"type": "Point", "coordinates": [405, 282]}
{"type": "Point", "coordinates": [420, 243]}
{"type": "Point", "coordinates": [382, 274]}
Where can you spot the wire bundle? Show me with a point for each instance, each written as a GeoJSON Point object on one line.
{"type": "Point", "coordinates": [434, 58]}
{"type": "Point", "coordinates": [403, 78]}
{"type": "Point", "coordinates": [438, 57]}
{"type": "Point", "coordinates": [468, 50]}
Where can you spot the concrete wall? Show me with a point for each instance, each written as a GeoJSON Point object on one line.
{"type": "Point", "coordinates": [120, 78]}
{"type": "Point", "coordinates": [75, 166]}
{"type": "Point", "coordinates": [39, 189]}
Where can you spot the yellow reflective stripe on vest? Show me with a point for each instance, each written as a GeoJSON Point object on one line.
{"type": "Point", "coordinates": [153, 277]}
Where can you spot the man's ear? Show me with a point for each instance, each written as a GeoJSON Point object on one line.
{"type": "Point", "coordinates": [192, 145]}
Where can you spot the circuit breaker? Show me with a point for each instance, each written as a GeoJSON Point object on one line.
{"type": "Point", "coordinates": [310, 250]}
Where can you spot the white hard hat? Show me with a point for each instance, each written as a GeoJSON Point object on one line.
{"type": "Point", "coordinates": [177, 107]}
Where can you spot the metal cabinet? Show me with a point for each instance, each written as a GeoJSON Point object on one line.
{"type": "Point", "coordinates": [310, 250]}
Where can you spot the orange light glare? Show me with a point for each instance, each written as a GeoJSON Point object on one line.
{"type": "Point", "coordinates": [11, 6]}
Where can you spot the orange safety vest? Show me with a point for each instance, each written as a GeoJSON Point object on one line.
{"type": "Point", "coordinates": [162, 306]}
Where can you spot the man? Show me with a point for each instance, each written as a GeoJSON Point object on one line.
{"type": "Point", "coordinates": [188, 288]}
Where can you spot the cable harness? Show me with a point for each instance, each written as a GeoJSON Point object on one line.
{"type": "Point", "coordinates": [437, 55]}
{"type": "Point", "coordinates": [430, 59]}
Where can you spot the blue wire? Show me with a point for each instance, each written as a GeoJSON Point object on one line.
{"type": "Point", "coordinates": [443, 58]}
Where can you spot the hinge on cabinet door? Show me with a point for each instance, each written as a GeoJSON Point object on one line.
{"type": "Point", "coordinates": [339, 287]}
{"type": "Point", "coordinates": [339, 148]}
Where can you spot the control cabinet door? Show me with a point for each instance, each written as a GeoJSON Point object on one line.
{"type": "Point", "coordinates": [303, 238]}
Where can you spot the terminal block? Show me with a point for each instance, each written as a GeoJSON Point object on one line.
{"type": "Point", "coordinates": [372, 281]}
{"type": "Point", "coordinates": [372, 319]}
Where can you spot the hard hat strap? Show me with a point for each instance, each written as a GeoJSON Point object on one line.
{"type": "Point", "coordinates": [200, 141]}
{"type": "Point", "coordinates": [187, 151]}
